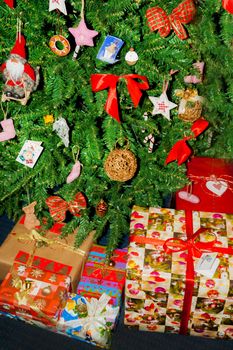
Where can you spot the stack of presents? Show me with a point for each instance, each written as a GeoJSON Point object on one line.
{"type": "Point", "coordinates": [176, 275]}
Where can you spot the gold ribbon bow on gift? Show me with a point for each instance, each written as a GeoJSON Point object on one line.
{"type": "Point", "coordinates": [58, 206]}
{"type": "Point", "coordinates": [24, 290]}
{"type": "Point", "coordinates": [182, 14]}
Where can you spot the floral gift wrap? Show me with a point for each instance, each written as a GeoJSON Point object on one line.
{"type": "Point", "coordinates": [101, 277]}
{"type": "Point", "coordinates": [89, 319]}
{"type": "Point", "coordinates": [31, 293]}
{"type": "Point", "coordinates": [164, 292]}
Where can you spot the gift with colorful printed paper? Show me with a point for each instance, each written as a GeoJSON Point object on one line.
{"type": "Point", "coordinates": [33, 293]}
{"type": "Point", "coordinates": [89, 319]}
{"type": "Point", "coordinates": [100, 276]}
{"type": "Point", "coordinates": [52, 253]}
{"type": "Point", "coordinates": [210, 187]}
{"type": "Point", "coordinates": [169, 285]}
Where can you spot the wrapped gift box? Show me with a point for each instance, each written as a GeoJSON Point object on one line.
{"type": "Point", "coordinates": [88, 319]}
{"type": "Point", "coordinates": [99, 277]}
{"type": "Point", "coordinates": [58, 255]}
{"type": "Point", "coordinates": [211, 183]}
{"type": "Point", "coordinates": [33, 293]}
{"type": "Point", "coordinates": [163, 292]}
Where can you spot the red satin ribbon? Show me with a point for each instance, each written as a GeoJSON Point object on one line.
{"type": "Point", "coordinates": [228, 5]}
{"type": "Point", "coordinates": [109, 81]}
{"type": "Point", "coordinates": [10, 3]}
{"type": "Point", "coordinates": [58, 206]}
{"type": "Point", "coordinates": [182, 14]}
{"type": "Point", "coordinates": [194, 248]}
{"type": "Point", "coordinates": [181, 151]}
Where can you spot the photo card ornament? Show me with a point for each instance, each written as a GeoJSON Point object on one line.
{"type": "Point", "coordinates": [109, 49]}
{"type": "Point", "coordinates": [20, 78]}
{"type": "Point", "coordinates": [30, 153]}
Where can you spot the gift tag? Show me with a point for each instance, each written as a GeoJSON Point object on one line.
{"type": "Point", "coordinates": [207, 264]}
{"type": "Point", "coordinates": [217, 187]}
{"type": "Point", "coordinates": [189, 197]}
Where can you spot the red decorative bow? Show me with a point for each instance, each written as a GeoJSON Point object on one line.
{"type": "Point", "coordinates": [109, 81]}
{"type": "Point", "coordinates": [196, 248]}
{"type": "Point", "coordinates": [182, 14]}
{"type": "Point", "coordinates": [181, 151]}
{"type": "Point", "coordinates": [58, 206]}
{"type": "Point", "coordinates": [10, 3]}
{"type": "Point", "coordinates": [228, 5]}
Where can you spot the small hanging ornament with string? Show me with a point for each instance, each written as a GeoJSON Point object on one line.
{"type": "Point", "coordinates": [83, 36]}
{"type": "Point", "coordinates": [161, 104]}
{"type": "Point", "coordinates": [101, 208]}
{"type": "Point", "coordinates": [131, 57]}
{"type": "Point", "coordinates": [19, 76]}
{"type": "Point", "coordinates": [76, 169]}
{"type": "Point", "coordinates": [30, 221]}
{"type": "Point", "coordinates": [8, 130]}
{"type": "Point", "coordinates": [58, 43]}
{"type": "Point", "coordinates": [120, 165]}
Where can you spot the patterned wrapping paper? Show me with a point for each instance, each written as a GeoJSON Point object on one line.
{"type": "Point", "coordinates": [156, 280]}
{"type": "Point", "coordinates": [88, 319]}
{"type": "Point", "coordinates": [54, 257]}
{"type": "Point", "coordinates": [99, 278]}
{"type": "Point", "coordinates": [34, 294]}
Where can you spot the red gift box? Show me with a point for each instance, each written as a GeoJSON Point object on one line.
{"type": "Point", "coordinates": [211, 182]}
{"type": "Point", "coordinates": [34, 293]}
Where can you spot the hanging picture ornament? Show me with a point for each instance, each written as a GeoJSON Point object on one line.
{"type": "Point", "coordinates": [159, 20]}
{"type": "Point", "coordinates": [120, 165]}
{"type": "Point", "coordinates": [8, 130]}
{"type": "Point", "coordinates": [190, 106]}
{"type": "Point", "coordinates": [131, 57]}
{"type": "Point", "coordinates": [101, 208]}
{"type": "Point", "coordinates": [19, 76]}
{"type": "Point", "coordinates": [83, 36]}
{"type": "Point", "coordinates": [62, 130]}
{"type": "Point", "coordinates": [161, 104]}
{"type": "Point", "coordinates": [76, 169]}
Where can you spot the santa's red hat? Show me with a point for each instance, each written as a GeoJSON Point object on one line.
{"type": "Point", "coordinates": [19, 48]}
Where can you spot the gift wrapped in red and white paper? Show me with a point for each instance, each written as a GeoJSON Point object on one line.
{"type": "Point", "coordinates": [210, 188]}
{"type": "Point", "coordinates": [168, 288]}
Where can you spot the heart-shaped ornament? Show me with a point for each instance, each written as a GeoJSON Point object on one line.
{"type": "Point", "coordinates": [217, 187]}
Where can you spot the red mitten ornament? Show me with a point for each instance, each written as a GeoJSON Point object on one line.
{"type": "Point", "coordinates": [228, 5]}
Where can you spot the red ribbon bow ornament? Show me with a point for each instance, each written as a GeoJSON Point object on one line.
{"type": "Point", "coordinates": [10, 3]}
{"type": "Point", "coordinates": [58, 206]}
{"type": "Point", "coordinates": [228, 5]}
{"type": "Point", "coordinates": [182, 14]}
{"type": "Point", "coordinates": [109, 81]}
{"type": "Point", "coordinates": [181, 151]}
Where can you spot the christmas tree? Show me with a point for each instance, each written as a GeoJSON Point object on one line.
{"type": "Point", "coordinates": [119, 148]}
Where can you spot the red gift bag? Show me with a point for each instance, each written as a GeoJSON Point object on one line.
{"type": "Point", "coordinates": [211, 183]}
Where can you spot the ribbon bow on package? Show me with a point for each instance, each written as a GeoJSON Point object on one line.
{"type": "Point", "coordinates": [181, 151]}
{"type": "Point", "coordinates": [58, 206]}
{"type": "Point", "coordinates": [109, 81]}
{"type": "Point", "coordinates": [182, 14]}
{"type": "Point", "coordinates": [10, 3]}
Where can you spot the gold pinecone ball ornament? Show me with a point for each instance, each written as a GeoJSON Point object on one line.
{"type": "Point", "coordinates": [120, 165]}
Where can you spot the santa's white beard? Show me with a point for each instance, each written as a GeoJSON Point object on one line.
{"type": "Point", "coordinates": [15, 69]}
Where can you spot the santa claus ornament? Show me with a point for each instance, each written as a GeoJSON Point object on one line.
{"type": "Point", "coordinates": [19, 76]}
